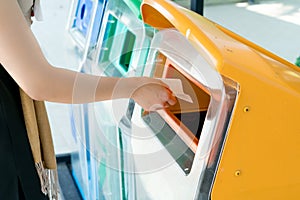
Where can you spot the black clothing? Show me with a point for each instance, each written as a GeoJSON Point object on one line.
{"type": "Point", "coordinates": [18, 177]}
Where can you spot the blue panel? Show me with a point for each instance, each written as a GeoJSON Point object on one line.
{"type": "Point", "coordinates": [98, 22]}
{"type": "Point", "coordinates": [83, 15]}
{"type": "Point", "coordinates": [83, 18]}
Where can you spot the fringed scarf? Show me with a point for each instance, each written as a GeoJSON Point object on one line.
{"type": "Point", "coordinates": [37, 124]}
{"type": "Point", "coordinates": [40, 139]}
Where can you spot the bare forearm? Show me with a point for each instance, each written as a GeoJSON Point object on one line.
{"type": "Point", "coordinates": [67, 86]}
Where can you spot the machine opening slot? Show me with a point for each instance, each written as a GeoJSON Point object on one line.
{"type": "Point", "coordinates": [110, 30]}
{"type": "Point", "coordinates": [179, 127]}
{"type": "Point", "coordinates": [193, 123]}
{"type": "Point", "coordinates": [117, 48]}
{"type": "Point", "coordinates": [127, 50]}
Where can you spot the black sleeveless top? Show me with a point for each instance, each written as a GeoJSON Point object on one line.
{"type": "Point", "coordinates": [18, 177]}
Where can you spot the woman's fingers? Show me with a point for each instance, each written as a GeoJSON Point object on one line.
{"type": "Point", "coordinates": [168, 97]}
{"type": "Point", "coordinates": [172, 98]}
{"type": "Point", "coordinates": [153, 95]}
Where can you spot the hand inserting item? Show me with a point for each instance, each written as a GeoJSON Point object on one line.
{"type": "Point", "coordinates": [176, 86]}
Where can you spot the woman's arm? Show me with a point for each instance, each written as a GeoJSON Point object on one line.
{"type": "Point", "coordinates": [22, 57]}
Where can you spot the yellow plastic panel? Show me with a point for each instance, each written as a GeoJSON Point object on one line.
{"type": "Point", "coordinates": [260, 158]}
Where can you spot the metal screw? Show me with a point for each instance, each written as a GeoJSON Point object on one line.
{"type": "Point", "coordinates": [246, 109]}
{"type": "Point", "coordinates": [237, 173]}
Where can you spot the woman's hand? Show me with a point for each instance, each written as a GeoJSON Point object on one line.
{"type": "Point", "coordinates": [152, 94]}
